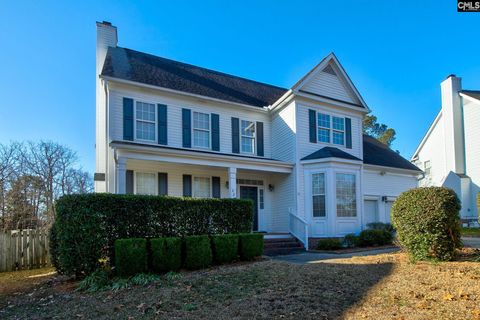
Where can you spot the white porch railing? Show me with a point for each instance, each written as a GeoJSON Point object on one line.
{"type": "Point", "coordinates": [299, 228]}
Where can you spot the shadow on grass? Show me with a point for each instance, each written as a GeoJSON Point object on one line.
{"type": "Point", "coordinates": [262, 290]}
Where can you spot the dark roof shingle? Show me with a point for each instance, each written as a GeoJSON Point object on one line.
{"type": "Point", "coordinates": [330, 152]}
{"type": "Point", "coordinates": [140, 67]}
{"type": "Point", "coordinates": [472, 93]}
{"type": "Point", "coordinates": [377, 153]}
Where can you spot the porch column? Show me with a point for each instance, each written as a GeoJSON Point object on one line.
{"type": "Point", "coordinates": [121, 175]}
{"type": "Point", "coordinates": [232, 182]}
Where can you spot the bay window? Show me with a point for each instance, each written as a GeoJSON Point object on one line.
{"type": "Point", "coordinates": [318, 195]}
{"type": "Point", "coordinates": [346, 195]}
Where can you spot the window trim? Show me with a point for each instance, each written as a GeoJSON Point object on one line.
{"type": "Point", "coordinates": [254, 138]}
{"type": "Point", "coordinates": [204, 130]}
{"type": "Point", "coordinates": [325, 177]}
{"type": "Point", "coordinates": [135, 172]}
{"type": "Point", "coordinates": [356, 194]}
{"type": "Point", "coordinates": [429, 167]}
{"type": "Point", "coordinates": [209, 189]}
{"type": "Point", "coordinates": [331, 130]}
{"type": "Point", "coordinates": [135, 101]}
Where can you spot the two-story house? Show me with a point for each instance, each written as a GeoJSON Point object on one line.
{"type": "Point", "coordinates": [449, 153]}
{"type": "Point", "coordinates": [169, 128]}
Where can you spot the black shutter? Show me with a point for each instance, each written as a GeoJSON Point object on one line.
{"type": "Point", "coordinates": [129, 182]}
{"type": "Point", "coordinates": [348, 133]}
{"type": "Point", "coordinates": [162, 124]}
{"type": "Point", "coordinates": [215, 132]}
{"type": "Point", "coordinates": [312, 122]}
{"type": "Point", "coordinates": [163, 184]}
{"type": "Point", "coordinates": [187, 128]}
{"type": "Point", "coordinates": [215, 187]}
{"type": "Point", "coordinates": [187, 185]}
{"type": "Point", "coordinates": [127, 119]}
{"type": "Point", "coordinates": [235, 135]}
{"type": "Point", "coordinates": [260, 139]}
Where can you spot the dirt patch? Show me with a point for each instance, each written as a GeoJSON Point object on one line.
{"type": "Point", "coordinates": [386, 286]}
{"type": "Point", "coordinates": [19, 281]}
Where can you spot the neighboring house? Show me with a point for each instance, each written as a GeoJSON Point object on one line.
{"type": "Point", "coordinates": [169, 128]}
{"type": "Point", "coordinates": [449, 153]}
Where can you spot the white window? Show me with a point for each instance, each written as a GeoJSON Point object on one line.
{"type": "Point", "coordinates": [145, 124]}
{"type": "Point", "coordinates": [248, 136]}
{"type": "Point", "coordinates": [201, 187]}
{"type": "Point", "coordinates": [145, 183]}
{"type": "Point", "coordinates": [330, 128]}
{"type": "Point", "coordinates": [261, 199]}
{"type": "Point", "coordinates": [346, 195]}
{"type": "Point", "coordinates": [201, 130]}
{"type": "Point", "coordinates": [427, 167]}
{"type": "Point", "coordinates": [318, 195]}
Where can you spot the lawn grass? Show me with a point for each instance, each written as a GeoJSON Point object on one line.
{"type": "Point", "coordinates": [470, 232]}
{"type": "Point", "coordinates": [386, 286]}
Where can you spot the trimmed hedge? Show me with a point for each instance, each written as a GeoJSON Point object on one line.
{"type": "Point", "coordinates": [225, 248]}
{"type": "Point", "coordinates": [351, 240]}
{"type": "Point", "coordinates": [198, 253]}
{"type": "Point", "coordinates": [427, 221]}
{"type": "Point", "coordinates": [130, 256]}
{"type": "Point", "coordinates": [166, 254]}
{"type": "Point", "coordinates": [250, 245]}
{"type": "Point", "coordinates": [381, 226]}
{"type": "Point", "coordinates": [374, 237]}
{"type": "Point", "coordinates": [329, 244]}
{"type": "Point", "coordinates": [87, 225]}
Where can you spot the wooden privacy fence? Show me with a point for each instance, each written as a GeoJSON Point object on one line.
{"type": "Point", "coordinates": [24, 249]}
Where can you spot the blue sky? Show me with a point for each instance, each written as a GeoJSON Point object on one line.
{"type": "Point", "coordinates": [396, 52]}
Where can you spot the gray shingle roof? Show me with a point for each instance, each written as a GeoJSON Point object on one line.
{"type": "Point", "coordinates": [377, 153]}
{"type": "Point", "coordinates": [472, 93]}
{"type": "Point", "coordinates": [330, 152]}
{"type": "Point", "coordinates": [141, 67]}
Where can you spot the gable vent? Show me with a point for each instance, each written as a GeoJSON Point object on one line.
{"type": "Point", "coordinates": [329, 69]}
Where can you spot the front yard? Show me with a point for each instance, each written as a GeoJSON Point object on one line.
{"type": "Point", "coordinates": [382, 287]}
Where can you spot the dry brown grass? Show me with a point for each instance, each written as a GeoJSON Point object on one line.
{"type": "Point", "coordinates": [382, 287]}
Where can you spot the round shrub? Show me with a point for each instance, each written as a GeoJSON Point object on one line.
{"type": "Point", "coordinates": [374, 237]}
{"type": "Point", "coordinates": [428, 223]}
{"type": "Point", "coordinates": [350, 240]}
{"type": "Point", "coordinates": [329, 244]}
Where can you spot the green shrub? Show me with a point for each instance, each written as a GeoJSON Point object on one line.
{"type": "Point", "coordinates": [250, 245]}
{"type": "Point", "coordinates": [225, 248]}
{"type": "Point", "coordinates": [166, 254]}
{"type": "Point", "coordinates": [96, 281]}
{"type": "Point", "coordinates": [374, 237]}
{"type": "Point", "coordinates": [130, 256]}
{"type": "Point", "coordinates": [53, 246]}
{"type": "Point", "coordinates": [381, 226]}
{"type": "Point", "coordinates": [100, 219]}
{"type": "Point", "coordinates": [198, 253]}
{"type": "Point", "coordinates": [427, 221]}
{"type": "Point", "coordinates": [350, 240]}
{"type": "Point", "coordinates": [329, 244]}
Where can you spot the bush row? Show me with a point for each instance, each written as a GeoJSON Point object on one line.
{"type": "Point", "coordinates": [87, 226]}
{"type": "Point", "coordinates": [137, 255]}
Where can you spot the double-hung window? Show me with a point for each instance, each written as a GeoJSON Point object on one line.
{"type": "Point", "coordinates": [427, 167]}
{"type": "Point", "coordinates": [201, 130]}
{"type": "Point", "coordinates": [330, 129]}
{"type": "Point", "coordinates": [318, 195]}
{"type": "Point", "coordinates": [346, 195]}
{"type": "Point", "coordinates": [145, 115]}
{"type": "Point", "coordinates": [145, 183]}
{"type": "Point", "coordinates": [248, 136]}
{"type": "Point", "coordinates": [201, 187]}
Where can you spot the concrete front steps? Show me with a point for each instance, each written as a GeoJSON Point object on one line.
{"type": "Point", "coordinates": [281, 244]}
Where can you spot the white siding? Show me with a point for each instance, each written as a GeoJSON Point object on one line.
{"type": "Point", "coordinates": [283, 130]}
{"type": "Point", "coordinates": [433, 150]}
{"type": "Point", "coordinates": [174, 115]}
{"type": "Point", "coordinates": [471, 116]}
{"type": "Point", "coordinates": [329, 85]}
{"type": "Point", "coordinates": [305, 147]}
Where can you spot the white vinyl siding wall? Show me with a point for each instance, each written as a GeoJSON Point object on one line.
{"type": "Point", "coordinates": [328, 85]}
{"type": "Point", "coordinates": [471, 116]}
{"type": "Point", "coordinates": [174, 115]}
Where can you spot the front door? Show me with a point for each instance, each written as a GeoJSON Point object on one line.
{"type": "Point", "coordinates": [251, 193]}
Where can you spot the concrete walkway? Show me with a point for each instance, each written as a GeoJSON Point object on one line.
{"type": "Point", "coordinates": [471, 242]}
{"type": "Point", "coordinates": [316, 257]}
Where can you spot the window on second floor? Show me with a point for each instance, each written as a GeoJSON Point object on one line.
{"type": "Point", "coordinates": [427, 167]}
{"type": "Point", "coordinates": [201, 130]}
{"type": "Point", "coordinates": [247, 136]}
{"type": "Point", "coordinates": [331, 129]}
{"type": "Point", "coordinates": [145, 115]}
